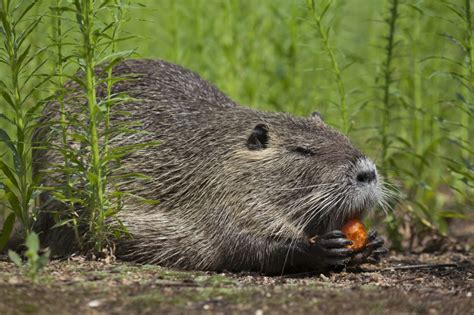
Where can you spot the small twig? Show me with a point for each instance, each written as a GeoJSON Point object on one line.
{"type": "Point", "coordinates": [420, 266]}
{"type": "Point", "coordinates": [358, 270]}
{"type": "Point", "coordinates": [404, 267]}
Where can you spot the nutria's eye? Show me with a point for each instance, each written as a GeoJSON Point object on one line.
{"type": "Point", "coordinates": [303, 151]}
{"type": "Point", "coordinates": [258, 139]}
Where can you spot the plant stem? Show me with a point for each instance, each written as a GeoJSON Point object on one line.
{"type": "Point", "coordinates": [468, 117]}
{"type": "Point", "coordinates": [324, 34]}
{"type": "Point", "coordinates": [118, 20]}
{"type": "Point", "coordinates": [97, 201]}
{"type": "Point", "coordinates": [12, 49]}
{"type": "Point", "coordinates": [417, 121]}
{"type": "Point", "coordinates": [387, 77]}
{"type": "Point", "coordinates": [58, 40]}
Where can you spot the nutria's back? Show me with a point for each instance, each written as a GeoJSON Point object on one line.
{"type": "Point", "coordinates": [239, 189]}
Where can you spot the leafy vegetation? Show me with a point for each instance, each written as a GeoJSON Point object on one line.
{"type": "Point", "coordinates": [84, 36]}
{"type": "Point", "coordinates": [35, 259]}
{"type": "Point", "coordinates": [397, 76]}
{"type": "Point", "coordinates": [19, 112]}
{"type": "Point", "coordinates": [85, 181]}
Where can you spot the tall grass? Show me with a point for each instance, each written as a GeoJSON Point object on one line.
{"type": "Point", "coordinates": [91, 200]}
{"type": "Point", "coordinates": [85, 12]}
{"type": "Point", "coordinates": [387, 73]}
{"type": "Point", "coordinates": [318, 14]}
{"type": "Point", "coordinates": [84, 37]}
{"type": "Point", "coordinates": [58, 40]}
{"type": "Point", "coordinates": [462, 73]}
{"type": "Point", "coordinates": [18, 116]}
{"type": "Point", "coordinates": [388, 108]}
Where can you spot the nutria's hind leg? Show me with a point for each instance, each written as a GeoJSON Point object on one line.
{"type": "Point", "coordinates": [372, 252]}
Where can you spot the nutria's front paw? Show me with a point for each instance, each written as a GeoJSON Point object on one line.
{"type": "Point", "coordinates": [330, 251]}
{"type": "Point", "coordinates": [372, 252]}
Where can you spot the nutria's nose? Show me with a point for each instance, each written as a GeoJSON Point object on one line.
{"type": "Point", "coordinates": [365, 171]}
{"type": "Point", "coordinates": [366, 176]}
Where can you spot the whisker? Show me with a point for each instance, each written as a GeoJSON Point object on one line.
{"type": "Point", "coordinates": [306, 187]}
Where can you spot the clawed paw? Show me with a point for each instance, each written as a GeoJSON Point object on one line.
{"type": "Point", "coordinates": [372, 252]}
{"type": "Point", "coordinates": [331, 249]}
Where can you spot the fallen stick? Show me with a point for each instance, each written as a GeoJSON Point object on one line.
{"type": "Point", "coordinates": [404, 267]}
{"type": "Point", "coordinates": [420, 266]}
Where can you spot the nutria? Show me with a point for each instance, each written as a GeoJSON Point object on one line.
{"type": "Point", "coordinates": [239, 189]}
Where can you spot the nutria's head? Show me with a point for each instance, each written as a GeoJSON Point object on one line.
{"type": "Point", "coordinates": [308, 176]}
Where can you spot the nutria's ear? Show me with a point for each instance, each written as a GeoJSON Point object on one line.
{"type": "Point", "coordinates": [316, 116]}
{"type": "Point", "coordinates": [258, 139]}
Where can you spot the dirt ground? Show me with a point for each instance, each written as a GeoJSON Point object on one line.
{"type": "Point", "coordinates": [84, 287]}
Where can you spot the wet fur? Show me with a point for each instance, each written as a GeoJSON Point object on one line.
{"type": "Point", "coordinates": [223, 205]}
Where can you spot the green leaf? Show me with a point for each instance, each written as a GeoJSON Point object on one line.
{"type": "Point", "coordinates": [16, 157]}
{"type": "Point", "coordinates": [453, 9]}
{"type": "Point", "coordinates": [43, 260]}
{"type": "Point", "coordinates": [64, 222]}
{"type": "Point", "coordinates": [32, 74]}
{"type": "Point", "coordinates": [61, 9]}
{"type": "Point", "coordinates": [92, 177]}
{"type": "Point", "coordinates": [77, 79]}
{"type": "Point", "coordinates": [4, 117]}
{"type": "Point", "coordinates": [105, 3]}
{"type": "Point", "coordinates": [6, 25]}
{"type": "Point", "coordinates": [30, 192]}
{"type": "Point", "coordinates": [4, 137]}
{"type": "Point", "coordinates": [120, 55]}
{"type": "Point", "coordinates": [78, 137]}
{"type": "Point", "coordinates": [8, 173]}
{"type": "Point", "coordinates": [25, 11]}
{"type": "Point", "coordinates": [32, 242]}
{"type": "Point", "coordinates": [7, 97]}
{"type": "Point", "coordinates": [14, 202]}
{"type": "Point", "coordinates": [7, 230]}
{"type": "Point", "coordinates": [444, 58]}
{"type": "Point", "coordinates": [454, 215]}
{"type": "Point", "coordinates": [3, 86]}
{"type": "Point", "coordinates": [23, 56]}
{"type": "Point", "coordinates": [416, 8]}
{"type": "Point", "coordinates": [15, 258]}
{"type": "Point", "coordinates": [145, 200]}
{"type": "Point", "coordinates": [455, 41]}
{"type": "Point", "coordinates": [27, 31]}
{"type": "Point", "coordinates": [325, 10]}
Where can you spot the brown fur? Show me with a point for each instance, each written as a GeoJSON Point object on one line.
{"type": "Point", "coordinates": [223, 203]}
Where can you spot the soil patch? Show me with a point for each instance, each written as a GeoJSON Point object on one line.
{"type": "Point", "coordinates": [86, 287]}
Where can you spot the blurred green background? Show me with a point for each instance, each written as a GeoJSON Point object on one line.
{"type": "Point", "coordinates": [268, 55]}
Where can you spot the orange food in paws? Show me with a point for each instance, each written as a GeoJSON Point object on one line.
{"type": "Point", "coordinates": [355, 231]}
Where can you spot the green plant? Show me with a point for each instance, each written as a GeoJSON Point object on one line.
{"type": "Point", "coordinates": [462, 167]}
{"type": "Point", "coordinates": [387, 74]}
{"type": "Point", "coordinates": [387, 110]}
{"type": "Point", "coordinates": [89, 181]}
{"type": "Point", "coordinates": [19, 117]}
{"type": "Point", "coordinates": [87, 59]}
{"type": "Point", "coordinates": [324, 33]}
{"type": "Point", "coordinates": [88, 201]}
{"type": "Point", "coordinates": [58, 39]}
{"type": "Point", "coordinates": [35, 259]}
